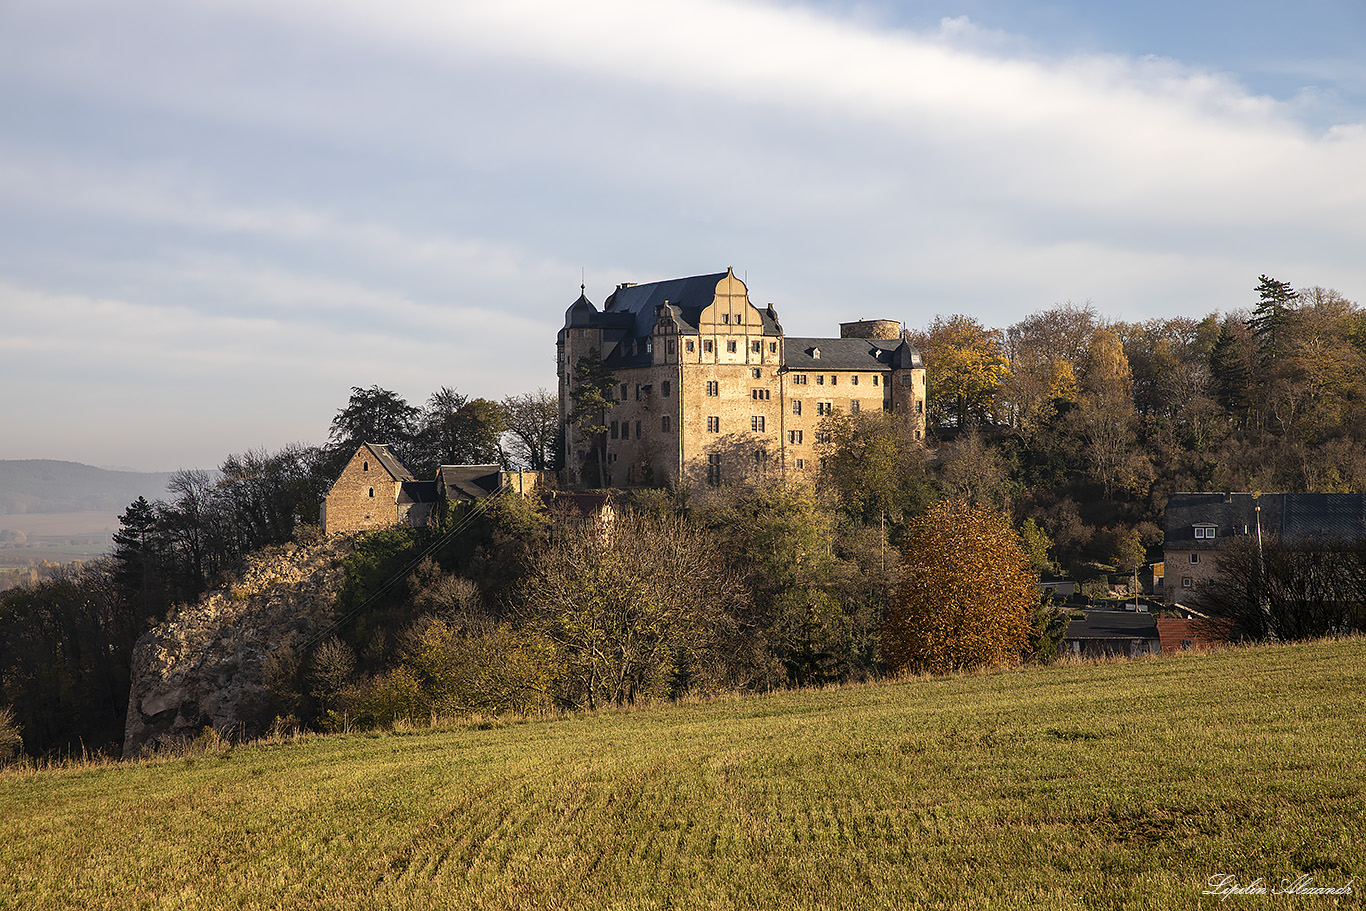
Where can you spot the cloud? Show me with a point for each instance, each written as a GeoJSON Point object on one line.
{"type": "Point", "coordinates": [290, 197]}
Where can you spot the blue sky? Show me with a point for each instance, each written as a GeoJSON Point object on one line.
{"type": "Point", "coordinates": [216, 216]}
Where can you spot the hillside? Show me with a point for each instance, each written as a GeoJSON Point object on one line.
{"type": "Point", "coordinates": [1114, 785]}
{"type": "Point", "coordinates": [49, 486]}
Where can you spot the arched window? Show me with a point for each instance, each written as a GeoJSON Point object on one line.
{"type": "Point", "coordinates": [364, 466]}
{"type": "Point", "coordinates": [372, 491]}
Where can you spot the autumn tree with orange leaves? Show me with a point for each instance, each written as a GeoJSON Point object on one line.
{"type": "Point", "coordinates": [968, 593]}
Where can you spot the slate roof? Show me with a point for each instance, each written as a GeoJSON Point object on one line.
{"type": "Point", "coordinates": [1113, 624]}
{"type": "Point", "coordinates": [389, 462]}
{"type": "Point", "coordinates": [417, 492]}
{"type": "Point", "coordinates": [870, 354]}
{"type": "Point", "coordinates": [469, 482]}
{"type": "Point", "coordinates": [1288, 516]}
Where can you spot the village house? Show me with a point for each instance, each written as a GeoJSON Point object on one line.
{"type": "Point", "coordinates": [1199, 525]}
{"type": "Point", "coordinates": [708, 388]}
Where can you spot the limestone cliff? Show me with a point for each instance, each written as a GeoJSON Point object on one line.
{"type": "Point", "coordinates": [204, 665]}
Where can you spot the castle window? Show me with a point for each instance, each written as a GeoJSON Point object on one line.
{"type": "Point", "coordinates": [614, 430]}
{"type": "Point", "coordinates": [707, 346]}
{"type": "Point", "coordinates": [664, 424]}
{"type": "Point", "coordinates": [833, 379]}
{"type": "Point", "coordinates": [825, 407]}
{"type": "Point", "coordinates": [713, 387]}
{"type": "Point", "coordinates": [1185, 581]}
{"type": "Point", "coordinates": [637, 430]}
{"type": "Point", "coordinates": [772, 347]}
{"type": "Point", "coordinates": [673, 346]}
{"type": "Point", "coordinates": [1195, 558]}
{"type": "Point", "coordinates": [756, 373]}
{"type": "Point", "coordinates": [364, 466]}
{"type": "Point", "coordinates": [796, 406]}
{"type": "Point", "coordinates": [816, 354]}
{"type": "Point", "coordinates": [820, 379]}
{"type": "Point", "coordinates": [637, 392]}
{"type": "Point", "coordinates": [725, 318]}
{"type": "Point", "coordinates": [875, 379]}
{"type": "Point", "coordinates": [799, 379]}
{"type": "Point", "coordinates": [689, 346]}
{"type": "Point", "coordinates": [649, 346]}
{"type": "Point", "coordinates": [714, 469]}
{"type": "Point", "coordinates": [905, 379]}
{"type": "Point", "coordinates": [756, 423]}
{"type": "Point", "coordinates": [759, 394]}
{"type": "Point", "coordinates": [664, 389]}
{"type": "Point", "coordinates": [822, 438]}
{"type": "Point", "coordinates": [372, 491]}
{"type": "Point", "coordinates": [757, 347]}
{"type": "Point", "coordinates": [801, 463]}
{"type": "Point", "coordinates": [794, 437]}
{"type": "Point", "coordinates": [713, 424]}
{"type": "Point", "coordinates": [623, 392]}
{"type": "Point", "coordinates": [920, 407]}
{"type": "Point", "coordinates": [917, 434]}
{"type": "Point", "coordinates": [854, 379]}
{"type": "Point", "coordinates": [853, 406]}
{"type": "Point", "coordinates": [730, 347]}
{"type": "Point", "coordinates": [1207, 531]}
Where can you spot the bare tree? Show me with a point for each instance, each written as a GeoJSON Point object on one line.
{"type": "Point", "coordinates": [532, 420]}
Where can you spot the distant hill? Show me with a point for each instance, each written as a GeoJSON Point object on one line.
{"type": "Point", "coordinates": [48, 486]}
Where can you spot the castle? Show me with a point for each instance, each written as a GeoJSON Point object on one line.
{"type": "Point", "coordinates": [707, 389]}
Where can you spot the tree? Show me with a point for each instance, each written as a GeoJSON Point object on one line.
{"type": "Point", "coordinates": [1274, 302]}
{"type": "Point", "coordinates": [592, 399]}
{"type": "Point", "coordinates": [1043, 353]}
{"type": "Point", "coordinates": [477, 431]}
{"type": "Point", "coordinates": [874, 465]}
{"type": "Point", "coordinates": [633, 609]}
{"type": "Point", "coordinates": [1289, 591]}
{"type": "Point", "coordinates": [968, 595]}
{"type": "Point", "coordinates": [964, 369]}
{"type": "Point", "coordinates": [373, 415]}
{"type": "Point", "coordinates": [973, 471]}
{"type": "Point", "coordinates": [437, 442]}
{"type": "Point", "coordinates": [1106, 411]}
{"type": "Point", "coordinates": [533, 420]}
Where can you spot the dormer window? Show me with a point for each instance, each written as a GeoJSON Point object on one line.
{"type": "Point", "coordinates": [1204, 532]}
{"type": "Point", "coordinates": [816, 354]}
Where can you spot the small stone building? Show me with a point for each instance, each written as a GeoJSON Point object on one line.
{"type": "Point", "coordinates": [375, 491]}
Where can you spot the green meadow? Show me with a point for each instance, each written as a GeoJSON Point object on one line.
{"type": "Point", "coordinates": [1113, 785]}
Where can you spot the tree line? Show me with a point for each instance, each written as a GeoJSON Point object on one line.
{"type": "Point", "coordinates": [1086, 426]}
{"type": "Point", "coordinates": [66, 641]}
{"type": "Point", "coordinates": [1056, 442]}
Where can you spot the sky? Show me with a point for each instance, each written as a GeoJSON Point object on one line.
{"type": "Point", "coordinates": [217, 216]}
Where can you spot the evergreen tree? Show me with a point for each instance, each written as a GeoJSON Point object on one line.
{"type": "Point", "coordinates": [592, 399]}
{"type": "Point", "coordinates": [1275, 300]}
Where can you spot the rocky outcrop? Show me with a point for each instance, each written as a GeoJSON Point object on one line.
{"type": "Point", "coordinates": [206, 665]}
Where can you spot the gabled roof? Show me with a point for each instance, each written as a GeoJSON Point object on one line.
{"type": "Point", "coordinates": [1113, 624]}
{"type": "Point", "coordinates": [1288, 516]}
{"type": "Point", "coordinates": [388, 461]}
{"type": "Point", "coordinates": [870, 354]}
{"type": "Point", "coordinates": [469, 482]}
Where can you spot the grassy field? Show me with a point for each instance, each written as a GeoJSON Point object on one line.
{"type": "Point", "coordinates": [1124, 785]}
